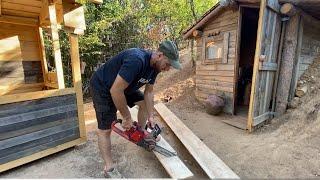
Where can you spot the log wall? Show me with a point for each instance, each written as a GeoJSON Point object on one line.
{"type": "Point", "coordinates": [20, 62]}
{"type": "Point", "coordinates": [218, 77]}
{"type": "Point", "coordinates": [32, 126]}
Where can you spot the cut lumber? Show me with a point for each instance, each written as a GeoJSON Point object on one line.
{"type": "Point", "coordinates": [173, 165]}
{"type": "Point", "coordinates": [209, 161]}
{"type": "Point", "coordinates": [301, 91]}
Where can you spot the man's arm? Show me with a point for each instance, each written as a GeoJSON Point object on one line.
{"type": "Point", "coordinates": [119, 99]}
{"type": "Point", "coordinates": [149, 99]}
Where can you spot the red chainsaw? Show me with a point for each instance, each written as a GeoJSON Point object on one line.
{"type": "Point", "coordinates": [137, 135]}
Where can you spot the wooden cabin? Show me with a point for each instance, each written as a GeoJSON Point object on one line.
{"type": "Point", "coordinates": [252, 53]}
{"type": "Point", "coordinates": [39, 116]}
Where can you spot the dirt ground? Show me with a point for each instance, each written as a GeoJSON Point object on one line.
{"type": "Point", "coordinates": [288, 147]}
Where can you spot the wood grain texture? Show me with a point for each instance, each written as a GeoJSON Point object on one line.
{"type": "Point", "coordinates": [208, 160]}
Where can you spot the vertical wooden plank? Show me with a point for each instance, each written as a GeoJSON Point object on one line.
{"type": "Point", "coordinates": [42, 54]}
{"type": "Point", "coordinates": [225, 47]}
{"type": "Point", "coordinates": [237, 59]}
{"type": "Point", "coordinates": [0, 8]}
{"type": "Point", "coordinates": [76, 74]}
{"type": "Point", "coordinates": [56, 45]}
{"type": "Point", "coordinates": [295, 74]}
{"type": "Point", "coordinates": [256, 63]}
{"type": "Point", "coordinates": [203, 48]}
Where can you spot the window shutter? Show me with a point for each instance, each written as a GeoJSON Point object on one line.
{"type": "Point", "coordinates": [225, 47]}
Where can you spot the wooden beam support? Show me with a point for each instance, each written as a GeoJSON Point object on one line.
{"type": "Point", "coordinates": [299, 2]}
{"type": "Point", "coordinates": [173, 165]}
{"type": "Point", "coordinates": [288, 9]}
{"type": "Point", "coordinates": [197, 33]}
{"type": "Point", "coordinates": [0, 7]}
{"type": "Point", "coordinates": [77, 83]}
{"type": "Point", "coordinates": [56, 45]}
{"type": "Point", "coordinates": [96, 1]}
{"type": "Point", "coordinates": [44, 63]}
{"type": "Point", "coordinates": [6, 99]}
{"type": "Point", "coordinates": [208, 160]}
{"type": "Point", "coordinates": [287, 62]}
{"type": "Point", "coordinates": [19, 20]}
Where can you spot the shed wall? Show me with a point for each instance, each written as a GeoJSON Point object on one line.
{"type": "Point", "coordinates": [310, 48]}
{"type": "Point", "coordinates": [218, 77]}
{"type": "Point", "coordinates": [20, 63]}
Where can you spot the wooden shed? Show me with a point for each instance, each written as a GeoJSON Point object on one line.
{"type": "Point", "coordinates": [39, 116]}
{"type": "Point", "coordinates": [252, 53]}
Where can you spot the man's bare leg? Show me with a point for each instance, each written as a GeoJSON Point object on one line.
{"type": "Point", "coordinates": [104, 143]}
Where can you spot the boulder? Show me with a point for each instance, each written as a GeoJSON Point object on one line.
{"type": "Point", "coordinates": [214, 104]}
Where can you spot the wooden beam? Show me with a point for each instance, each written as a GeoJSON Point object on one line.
{"type": "Point", "coordinates": [96, 1]}
{"type": "Point", "coordinates": [173, 165]}
{"type": "Point", "coordinates": [6, 99]}
{"type": "Point", "coordinates": [19, 20]}
{"type": "Point", "coordinates": [77, 83]}
{"type": "Point", "coordinates": [44, 63]}
{"type": "Point", "coordinates": [24, 160]}
{"type": "Point", "coordinates": [0, 7]}
{"type": "Point", "coordinates": [300, 2]}
{"type": "Point", "coordinates": [209, 161]}
{"type": "Point", "coordinates": [9, 88]}
{"type": "Point", "coordinates": [197, 33]}
{"type": "Point", "coordinates": [56, 45]}
{"type": "Point", "coordinates": [286, 67]}
{"type": "Point", "coordinates": [288, 9]}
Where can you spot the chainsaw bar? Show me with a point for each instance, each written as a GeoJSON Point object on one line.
{"type": "Point", "coordinates": [164, 151]}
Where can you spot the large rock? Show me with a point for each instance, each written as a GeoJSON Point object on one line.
{"type": "Point", "coordinates": [214, 104]}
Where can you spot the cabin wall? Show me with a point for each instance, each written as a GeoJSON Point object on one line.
{"type": "Point", "coordinates": [218, 77]}
{"type": "Point", "coordinates": [20, 62]}
{"type": "Point", "coordinates": [32, 126]}
{"type": "Point", "coordinates": [310, 48]}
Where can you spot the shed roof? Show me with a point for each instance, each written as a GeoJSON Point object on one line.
{"type": "Point", "coordinates": [311, 7]}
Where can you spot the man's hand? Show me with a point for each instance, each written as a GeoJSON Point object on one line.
{"type": "Point", "coordinates": [150, 122]}
{"type": "Point", "coordinates": [127, 123]}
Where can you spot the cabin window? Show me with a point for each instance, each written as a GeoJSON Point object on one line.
{"type": "Point", "coordinates": [214, 50]}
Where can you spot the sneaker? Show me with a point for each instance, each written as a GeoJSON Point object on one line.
{"type": "Point", "coordinates": [112, 173]}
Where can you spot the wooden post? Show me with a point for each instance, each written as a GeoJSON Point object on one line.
{"type": "Point", "coordinates": [288, 9]}
{"type": "Point", "coordinates": [288, 59]}
{"type": "Point", "coordinates": [56, 45]}
{"type": "Point", "coordinates": [0, 8]}
{"type": "Point", "coordinates": [43, 55]}
{"type": "Point", "coordinates": [298, 2]}
{"type": "Point", "coordinates": [76, 74]}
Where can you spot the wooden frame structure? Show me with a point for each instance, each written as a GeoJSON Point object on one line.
{"type": "Point", "coordinates": [39, 116]}
{"type": "Point", "coordinates": [283, 28]}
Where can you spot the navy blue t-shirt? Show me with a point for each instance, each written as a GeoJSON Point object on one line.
{"type": "Point", "coordinates": [133, 65]}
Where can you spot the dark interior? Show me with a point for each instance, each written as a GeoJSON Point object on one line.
{"type": "Point", "coordinates": [250, 17]}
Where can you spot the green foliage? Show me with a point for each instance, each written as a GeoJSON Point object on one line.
{"type": "Point", "coordinates": [119, 24]}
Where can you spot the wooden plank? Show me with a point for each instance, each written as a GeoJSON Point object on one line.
{"type": "Point", "coordinates": [215, 83]}
{"type": "Point", "coordinates": [214, 67]}
{"type": "Point", "coordinates": [38, 104]}
{"type": "Point", "coordinates": [8, 144]}
{"type": "Point", "coordinates": [173, 165]}
{"type": "Point", "coordinates": [12, 12]}
{"type": "Point", "coordinates": [44, 62]}
{"type": "Point", "coordinates": [35, 3]}
{"type": "Point", "coordinates": [0, 7]}
{"type": "Point", "coordinates": [267, 66]}
{"type": "Point", "coordinates": [35, 95]}
{"type": "Point", "coordinates": [34, 117]}
{"type": "Point", "coordinates": [5, 89]}
{"type": "Point", "coordinates": [214, 78]}
{"type": "Point", "coordinates": [213, 87]}
{"type": "Point", "coordinates": [35, 156]}
{"type": "Point", "coordinates": [19, 20]}
{"type": "Point", "coordinates": [225, 47]}
{"type": "Point", "coordinates": [77, 83]}
{"type": "Point", "coordinates": [46, 145]}
{"type": "Point", "coordinates": [215, 73]}
{"type": "Point", "coordinates": [209, 161]}
{"type": "Point", "coordinates": [20, 7]}
{"type": "Point", "coordinates": [56, 45]}
{"type": "Point", "coordinates": [256, 63]}
{"type": "Point", "coordinates": [262, 118]}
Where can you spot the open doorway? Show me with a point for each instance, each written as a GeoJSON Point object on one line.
{"type": "Point", "coordinates": [249, 25]}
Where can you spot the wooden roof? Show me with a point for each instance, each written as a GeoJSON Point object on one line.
{"type": "Point", "coordinates": [312, 7]}
{"type": "Point", "coordinates": [21, 8]}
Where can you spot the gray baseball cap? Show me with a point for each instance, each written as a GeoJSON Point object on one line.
{"type": "Point", "coordinates": [170, 50]}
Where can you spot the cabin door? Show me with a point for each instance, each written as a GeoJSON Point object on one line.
{"type": "Point", "coordinates": [265, 63]}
